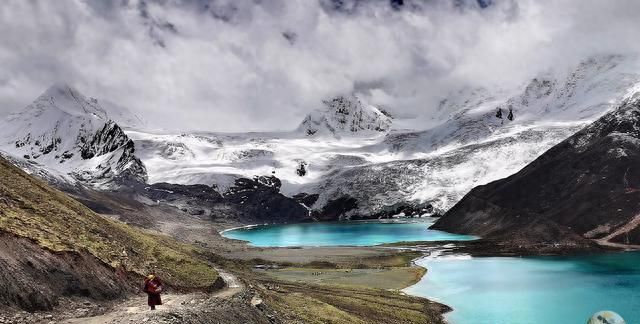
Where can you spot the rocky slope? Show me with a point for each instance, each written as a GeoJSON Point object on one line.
{"type": "Point", "coordinates": [52, 246]}
{"type": "Point", "coordinates": [584, 188]}
{"type": "Point", "coordinates": [73, 138]}
{"type": "Point", "coordinates": [55, 252]}
{"type": "Point", "coordinates": [260, 201]}
{"type": "Point", "coordinates": [256, 200]}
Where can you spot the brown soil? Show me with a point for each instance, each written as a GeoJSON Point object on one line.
{"type": "Point", "coordinates": [34, 278]}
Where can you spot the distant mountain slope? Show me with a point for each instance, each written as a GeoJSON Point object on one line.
{"type": "Point", "coordinates": [586, 187]}
{"type": "Point", "coordinates": [73, 136]}
{"type": "Point", "coordinates": [560, 97]}
{"type": "Point", "coordinates": [123, 116]}
{"type": "Point", "coordinates": [464, 143]}
{"type": "Point", "coordinates": [53, 246]}
{"type": "Point", "coordinates": [346, 150]}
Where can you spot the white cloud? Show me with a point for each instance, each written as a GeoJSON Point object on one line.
{"type": "Point", "coordinates": [227, 65]}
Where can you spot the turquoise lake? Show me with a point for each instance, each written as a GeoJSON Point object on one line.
{"type": "Point", "coordinates": [487, 290]}
{"type": "Point", "coordinates": [358, 233]}
{"type": "Point", "coordinates": [550, 290]}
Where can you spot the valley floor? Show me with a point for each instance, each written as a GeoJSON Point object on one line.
{"type": "Point", "coordinates": [301, 285]}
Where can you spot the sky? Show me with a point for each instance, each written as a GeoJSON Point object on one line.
{"type": "Point", "coordinates": [250, 65]}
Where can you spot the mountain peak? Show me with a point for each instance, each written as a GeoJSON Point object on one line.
{"type": "Point", "coordinates": [68, 99]}
{"type": "Point", "coordinates": [345, 115]}
{"type": "Point", "coordinates": [61, 87]}
{"type": "Point", "coordinates": [63, 99]}
{"type": "Point", "coordinates": [62, 129]}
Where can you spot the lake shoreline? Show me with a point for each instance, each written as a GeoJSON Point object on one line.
{"type": "Point", "coordinates": [300, 262]}
{"type": "Point", "coordinates": [569, 287]}
{"type": "Point", "coordinates": [362, 267]}
{"type": "Point", "coordinates": [491, 248]}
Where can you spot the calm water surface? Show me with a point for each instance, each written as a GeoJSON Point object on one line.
{"type": "Point", "coordinates": [359, 233]}
{"type": "Point", "coordinates": [550, 290]}
{"type": "Point", "coordinates": [500, 290]}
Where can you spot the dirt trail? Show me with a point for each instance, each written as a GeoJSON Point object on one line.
{"type": "Point", "coordinates": [170, 302]}
{"type": "Point", "coordinates": [233, 284]}
{"type": "Point", "coordinates": [635, 222]}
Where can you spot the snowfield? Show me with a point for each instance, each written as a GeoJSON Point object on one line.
{"type": "Point", "coordinates": [345, 148]}
{"type": "Point", "coordinates": [466, 146]}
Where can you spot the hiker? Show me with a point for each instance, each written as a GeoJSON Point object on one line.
{"type": "Point", "coordinates": [153, 288]}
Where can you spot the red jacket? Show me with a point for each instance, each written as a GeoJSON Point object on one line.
{"type": "Point", "coordinates": [152, 286]}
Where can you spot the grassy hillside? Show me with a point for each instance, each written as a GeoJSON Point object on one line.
{"type": "Point", "coordinates": [31, 209]}
{"type": "Point", "coordinates": [347, 304]}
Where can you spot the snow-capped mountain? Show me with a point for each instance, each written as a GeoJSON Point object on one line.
{"type": "Point", "coordinates": [72, 137]}
{"type": "Point", "coordinates": [577, 96]}
{"type": "Point", "coordinates": [472, 146]}
{"type": "Point", "coordinates": [123, 116]}
{"type": "Point", "coordinates": [346, 151]}
{"type": "Point", "coordinates": [346, 116]}
{"type": "Point", "coordinates": [584, 188]}
{"type": "Point", "coordinates": [380, 167]}
{"type": "Point", "coordinates": [328, 137]}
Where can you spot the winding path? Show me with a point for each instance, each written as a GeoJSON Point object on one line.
{"type": "Point", "coordinates": [629, 226]}
{"type": "Point", "coordinates": [170, 302]}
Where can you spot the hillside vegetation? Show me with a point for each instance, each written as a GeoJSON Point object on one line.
{"type": "Point", "coordinates": [60, 226]}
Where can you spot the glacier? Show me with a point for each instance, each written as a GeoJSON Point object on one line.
{"type": "Point", "coordinates": [348, 147]}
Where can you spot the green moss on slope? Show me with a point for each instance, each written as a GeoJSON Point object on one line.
{"type": "Point", "coordinates": [32, 209]}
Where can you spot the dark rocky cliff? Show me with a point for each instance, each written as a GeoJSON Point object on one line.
{"type": "Point", "coordinates": [260, 200]}
{"type": "Point", "coordinates": [586, 187]}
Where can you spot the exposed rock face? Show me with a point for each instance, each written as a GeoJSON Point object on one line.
{"type": "Point", "coordinates": [119, 164]}
{"type": "Point", "coordinates": [169, 191]}
{"type": "Point", "coordinates": [586, 187]}
{"type": "Point", "coordinates": [259, 199]}
{"type": "Point", "coordinates": [337, 209]}
{"type": "Point", "coordinates": [34, 278]}
{"type": "Point", "coordinates": [306, 199]}
{"type": "Point", "coordinates": [106, 140]}
{"type": "Point", "coordinates": [193, 199]}
{"type": "Point", "coordinates": [407, 209]}
{"type": "Point", "coordinates": [301, 170]}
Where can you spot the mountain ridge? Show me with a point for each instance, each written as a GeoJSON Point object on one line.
{"type": "Point", "coordinates": [65, 131]}
{"type": "Point", "coordinates": [585, 185]}
{"type": "Point", "coordinates": [354, 152]}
